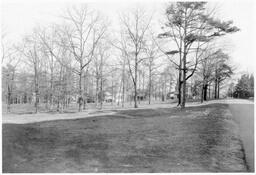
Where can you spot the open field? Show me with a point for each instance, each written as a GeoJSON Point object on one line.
{"type": "Point", "coordinates": [198, 139]}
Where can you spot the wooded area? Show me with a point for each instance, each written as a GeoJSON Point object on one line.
{"type": "Point", "coordinates": [81, 60]}
{"type": "Point", "coordinates": [244, 88]}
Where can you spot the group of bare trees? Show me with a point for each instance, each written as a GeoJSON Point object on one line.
{"type": "Point", "coordinates": [79, 37]}
{"type": "Point", "coordinates": [191, 28]}
{"type": "Point", "coordinates": [79, 59]}
{"type": "Point", "coordinates": [215, 67]}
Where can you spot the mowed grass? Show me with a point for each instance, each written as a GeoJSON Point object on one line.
{"type": "Point", "coordinates": [197, 139]}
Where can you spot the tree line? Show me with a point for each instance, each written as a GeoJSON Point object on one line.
{"type": "Point", "coordinates": [83, 60]}
{"type": "Point", "coordinates": [244, 88]}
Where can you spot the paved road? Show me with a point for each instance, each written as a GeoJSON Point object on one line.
{"type": "Point", "coordinates": [244, 116]}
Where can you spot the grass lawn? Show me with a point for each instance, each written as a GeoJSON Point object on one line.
{"type": "Point", "coordinates": [27, 108]}
{"type": "Point", "coordinates": [198, 139]}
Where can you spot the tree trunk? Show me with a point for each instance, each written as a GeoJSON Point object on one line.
{"type": "Point", "coordinates": [59, 91]}
{"type": "Point", "coordinates": [179, 80]}
{"type": "Point", "coordinates": [123, 79]}
{"type": "Point", "coordinates": [183, 89]}
{"type": "Point", "coordinates": [139, 85]}
{"type": "Point", "coordinates": [202, 94]}
{"type": "Point", "coordinates": [37, 97]}
{"type": "Point", "coordinates": [85, 88]}
{"type": "Point", "coordinates": [101, 82]}
{"type": "Point", "coordinates": [149, 88]}
{"type": "Point", "coordinates": [135, 82]}
{"type": "Point", "coordinates": [101, 93]}
{"type": "Point", "coordinates": [135, 96]}
{"type": "Point", "coordinates": [209, 96]}
{"type": "Point", "coordinates": [164, 93]}
{"type": "Point", "coordinates": [36, 88]}
{"type": "Point", "coordinates": [183, 102]}
{"type": "Point", "coordinates": [97, 91]}
{"type": "Point", "coordinates": [179, 89]}
{"type": "Point", "coordinates": [218, 89]}
{"type": "Point", "coordinates": [159, 90]}
{"type": "Point", "coordinates": [215, 88]}
{"type": "Point", "coordinates": [184, 65]}
{"type": "Point", "coordinates": [80, 98]}
{"type": "Point", "coordinates": [143, 81]}
{"type": "Point", "coordinates": [51, 86]}
{"type": "Point", "coordinates": [9, 94]}
{"type": "Point", "coordinates": [205, 92]}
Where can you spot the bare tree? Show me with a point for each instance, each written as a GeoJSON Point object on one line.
{"type": "Point", "coordinates": [222, 71]}
{"type": "Point", "coordinates": [10, 60]}
{"type": "Point", "coordinates": [121, 65]}
{"type": "Point", "coordinates": [153, 54]}
{"type": "Point", "coordinates": [214, 67]}
{"type": "Point", "coordinates": [100, 61]}
{"type": "Point", "coordinates": [80, 36]}
{"type": "Point", "coordinates": [206, 71]}
{"type": "Point", "coordinates": [9, 75]}
{"type": "Point", "coordinates": [135, 26]}
{"type": "Point", "coordinates": [10, 63]}
{"type": "Point", "coordinates": [59, 62]}
{"type": "Point", "coordinates": [31, 48]}
{"type": "Point", "coordinates": [52, 63]}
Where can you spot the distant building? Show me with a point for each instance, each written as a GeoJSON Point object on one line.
{"type": "Point", "coordinates": [172, 95]}
{"type": "Point", "coordinates": [141, 94]}
{"type": "Point", "coordinates": [108, 97]}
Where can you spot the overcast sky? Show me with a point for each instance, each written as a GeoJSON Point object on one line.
{"type": "Point", "coordinates": [18, 18]}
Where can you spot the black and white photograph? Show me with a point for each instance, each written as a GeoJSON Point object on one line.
{"type": "Point", "coordinates": [128, 86]}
